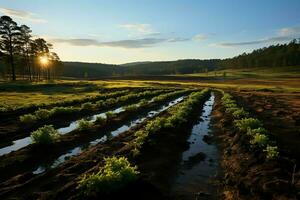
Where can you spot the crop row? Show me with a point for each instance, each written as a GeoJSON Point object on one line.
{"type": "Point", "coordinates": [44, 114]}
{"type": "Point", "coordinates": [85, 132]}
{"type": "Point", "coordinates": [256, 134]}
{"type": "Point", "coordinates": [105, 93]}
{"type": "Point", "coordinates": [118, 172]}
{"type": "Point", "coordinates": [47, 134]}
{"type": "Point", "coordinates": [178, 116]}
{"type": "Point", "coordinates": [32, 107]}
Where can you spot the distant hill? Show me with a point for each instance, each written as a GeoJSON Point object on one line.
{"type": "Point", "coordinates": [275, 56]}
{"type": "Point", "coordinates": [94, 70]}
{"type": "Point", "coordinates": [135, 63]}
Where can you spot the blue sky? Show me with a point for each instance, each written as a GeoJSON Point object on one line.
{"type": "Point", "coordinates": [120, 31]}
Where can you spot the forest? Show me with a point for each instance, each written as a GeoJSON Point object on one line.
{"type": "Point", "coordinates": [274, 56]}
{"type": "Point", "coordinates": [280, 55]}
{"type": "Point", "coordinates": [24, 56]}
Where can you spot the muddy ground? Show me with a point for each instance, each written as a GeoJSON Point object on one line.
{"type": "Point", "coordinates": [61, 182]}
{"type": "Point", "coordinates": [247, 174]}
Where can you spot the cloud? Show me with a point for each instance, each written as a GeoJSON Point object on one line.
{"type": "Point", "coordinates": [289, 31]}
{"type": "Point", "coordinates": [201, 36]}
{"type": "Point", "coordinates": [23, 15]}
{"type": "Point", "coordinates": [135, 43]}
{"type": "Point", "coordinates": [282, 35]}
{"type": "Point", "coordinates": [143, 29]}
{"type": "Point", "coordinates": [77, 42]}
{"type": "Point", "coordinates": [178, 39]}
{"type": "Point", "coordinates": [261, 41]}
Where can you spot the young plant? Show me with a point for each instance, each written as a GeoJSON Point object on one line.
{"type": "Point", "coordinates": [260, 140]}
{"type": "Point", "coordinates": [260, 130]}
{"type": "Point", "coordinates": [100, 120]}
{"type": "Point", "coordinates": [63, 110]}
{"type": "Point", "coordinates": [247, 123]}
{"type": "Point", "coordinates": [115, 174]}
{"type": "Point", "coordinates": [240, 113]}
{"type": "Point", "coordinates": [110, 115]}
{"type": "Point", "coordinates": [44, 135]}
{"type": "Point", "coordinates": [84, 124]}
{"type": "Point", "coordinates": [271, 152]}
{"type": "Point", "coordinates": [28, 119]}
{"type": "Point", "coordinates": [131, 108]}
{"type": "Point", "coordinates": [87, 106]}
{"type": "Point", "coordinates": [42, 114]}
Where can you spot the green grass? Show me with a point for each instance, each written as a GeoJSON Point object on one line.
{"type": "Point", "coordinates": [276, 72]}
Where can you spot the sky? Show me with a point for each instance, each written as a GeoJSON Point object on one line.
{"type": "Point", "coordinates": [122, 31]}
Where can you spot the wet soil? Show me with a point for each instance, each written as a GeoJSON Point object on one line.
{"type": "Point", "coordinates": [14, 130]}
{"type": "Point", "coordinates": [26, 159]}
{"type": "Point", "coordinates": [247, 174]}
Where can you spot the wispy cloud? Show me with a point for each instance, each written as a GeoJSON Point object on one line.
{"type": "Point", "coordinates": [261, 41]}
{"type": "Point", "coordinates": [143, 29]}
{"type": "Point", "coordinates": [201, 36]}
{"type": "Point", "coordinates": [282, 35]}
{"type": "Point", "coordinates": [289, 31]}
{"type": "Point", "coordinates": [135, 43]}
{"type": "Point", "coordinates": [23, 15]}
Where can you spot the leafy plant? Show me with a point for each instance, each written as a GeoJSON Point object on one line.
{"type": "Point", "coordinates": [260, 140]}
{"type": "Point", "coordinates": [42, 114]}
{"type": "Point", "coordinates": [28, 119]}
{"type": "Point", "coordinates": [240, 113]}
{"type": "Point", "coordinates": [259, 130]}
{"type": "Point", "coordinates": [115, 174]}
{"type": "Point", "coordinates": [63, 110]}
{"type": "Point", "coordinates": [44, 135]}
{"type": "Point", "coordinates": [84, 124]}
{"type": "Point", "coordinates": [272, 152]}
{"type": "Point", "coordinates": [100, 120]}
{"type": "Point", "coordinates": [247, 123]}
{"type": "Point", "coordinates": [131, 108]}
{"type": "Point", "coordinates": [110, 115]}
{"type": "Point", "coordinates": [87, 106]}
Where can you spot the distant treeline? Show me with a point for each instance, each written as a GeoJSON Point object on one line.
{"type": "Point", "coordinates": [24, 57]}
{"type": "Point", "coordinates": [280, 55]}
{"type": "Point", "coordinates": [94, 70]}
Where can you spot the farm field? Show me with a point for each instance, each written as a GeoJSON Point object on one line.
{"type": "Point", "coordinates": [149, 100]}
{"type": "Point", "coordinates": [149, 139]}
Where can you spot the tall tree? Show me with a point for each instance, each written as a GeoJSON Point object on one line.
{"type": "Point", "coordinates": [25, 40]}
{"type": "Point", "coordinates": [43, 51]}
{"type": "Point", "coordinates": [9, 40]}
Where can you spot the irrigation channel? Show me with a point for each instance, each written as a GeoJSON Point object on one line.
{"type": "Point", "coordinates": [20, 143]}
{"type": "Point", "coordinates": [23, 142]}
{"type": "Point", "coordinates": [199, 163]}
{"type": "Point", "coordinates": [104, 137]}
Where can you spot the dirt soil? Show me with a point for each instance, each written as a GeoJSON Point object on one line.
{"type": "Point", "coordinates": [247, 174]}
{"type": "Point", "coordinates": [61, 182]}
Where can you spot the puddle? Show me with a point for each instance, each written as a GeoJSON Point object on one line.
{"type": "Point", "coordinates": [199, 163]}
{"type": "Point", "coordinates": [107, 136]}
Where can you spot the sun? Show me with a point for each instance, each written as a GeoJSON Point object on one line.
{"type": "Point", "coordinates": [44, 60]}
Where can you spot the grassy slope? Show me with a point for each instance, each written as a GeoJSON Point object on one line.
{"type": "Point", "coordinates": [286, 72]}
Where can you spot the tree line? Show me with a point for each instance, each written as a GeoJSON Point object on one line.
{"type": "Point", "coordinates": [95, 70]}
{"type": "Point", "coordinates": [24, 57]}
{"type": "Point", "coordinates": [280, 55]}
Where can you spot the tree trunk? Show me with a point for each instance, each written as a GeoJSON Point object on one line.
{"type": "Point", "coordinates": [12, 67]}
